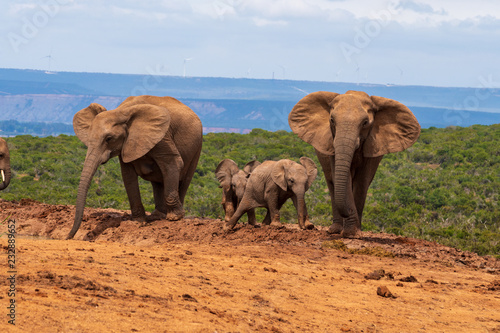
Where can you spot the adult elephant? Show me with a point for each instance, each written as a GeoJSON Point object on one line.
{"type": "Point", "coordinates": [4, 164]}
{"type": "Point", "coordinates": [156, 138]}
{"type": "Point", "coordinates": [350, 133]}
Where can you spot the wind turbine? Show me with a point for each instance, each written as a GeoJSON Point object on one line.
{"type": "Point", "coordinates": [184, 68]}
{"type": "Point", "coordinates": [400, 74]}
{"type": "Point", "coordinates": [50, 61]}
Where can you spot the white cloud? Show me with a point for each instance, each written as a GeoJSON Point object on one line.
{"type": "Point", "coordinates": [229, 36]}
{"type": "Point", "coordinates": [261, 22]}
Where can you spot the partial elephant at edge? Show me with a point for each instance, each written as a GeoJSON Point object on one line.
{"type": "Point", "coordinates": [5, 173]}
{"type": "Point", "coordinates": [351, 133]}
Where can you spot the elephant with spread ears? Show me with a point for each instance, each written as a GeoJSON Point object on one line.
{"type": "Point", "coordinates": [4, 164]}
{"type": "Point", "coordinates": [156, 138]}
{"type": "Point", "coordinates": [351, 133]}
{"type": "Point", "coordinates": [233, 182]}
{"type": "Point", "coordinates": [271, 184]}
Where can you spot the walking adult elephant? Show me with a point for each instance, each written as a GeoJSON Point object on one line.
{"type": "Point", "coordinates": [350, 133]}
{"type": "Point", "coordinates": [156, 138]}
{"type": "Point", "coordinates": [4, 164]}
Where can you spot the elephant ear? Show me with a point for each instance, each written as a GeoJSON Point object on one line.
{"type": "Point", "coordinates": [224, 173]}
{"type": "Point", "coordinates": [147, 124]}
{"type": "Point", "coordinates": [311, 169]}
{"type": "Point", "coordinates": [250, 166]}
{"type": "Point", "coordinates": [394, 128]}
{"type": "Point", "coordinates": [310, 120]}
{"type": "Point", "coordinates": [83, 119]}
{"type": "Point", "coordinates": [278, 174]}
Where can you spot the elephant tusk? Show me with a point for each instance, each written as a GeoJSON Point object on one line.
{"type": "Point", "coordinates": [3, 176]}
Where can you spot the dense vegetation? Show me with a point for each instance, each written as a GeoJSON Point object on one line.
{"type": "Point", "coordinates": [444, 188]}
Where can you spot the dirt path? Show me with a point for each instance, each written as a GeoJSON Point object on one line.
{"type": "Point", "coordinates": [188, 276]}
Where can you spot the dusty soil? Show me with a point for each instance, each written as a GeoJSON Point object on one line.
{"type": "Point", "coordinates": [120, 275]}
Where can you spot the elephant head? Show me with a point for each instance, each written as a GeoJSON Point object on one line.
{"type": "Point", "coordinates": [296, 178]}
{"type": "Point", "coordinates": [341, 125]}
{"type": "Point", "coordinates": [4, 164]}
{"type": "Point", "coordinates": [129, 131]}
{"type": "Point", "coordinates": [233, 182]}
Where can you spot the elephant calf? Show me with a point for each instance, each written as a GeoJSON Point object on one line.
{"type": "Point", "coordinates": [233, 182]}
{"type": "Point", "coordinates": [4, 164]}
{"type": "Point", "coordinates": [274, 182]}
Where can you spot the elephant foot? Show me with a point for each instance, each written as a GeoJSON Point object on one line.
{"type": "Point", "coordinates": [226, 227]}
{"type": "Point", "coordinates": [141, 218]}
{"type": "Point", "coordinates": [308, 225]}
{"type": "Point", "coordinates": [251, 222]}
{"type": "Point", "coordinates": [175, 215]}
{"type": "Point", "coordinates": [351, 233]}
{"type": "Point", "coordinates": [335, 228]}
{"type": "Point", "coordinates": [276, 224]}
{"type": "Point", "coordinates": [157, 215]}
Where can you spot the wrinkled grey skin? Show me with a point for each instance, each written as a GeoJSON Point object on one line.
{"type": "Point", "coordinates": [233, 182]}
{"type": "Point", "coordinates": [156, 138]}
{"type": "Point", "coordinates": [274, 182]}
{"type": "Point", "coordinates": [4, 165]}
{"type": "Point", "coordinates": [351, 133]}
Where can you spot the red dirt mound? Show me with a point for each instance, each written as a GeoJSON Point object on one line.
{"type": "Point", "coordinates": [164, 276]}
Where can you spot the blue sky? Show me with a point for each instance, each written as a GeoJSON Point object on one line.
{"type": "Point", "coordinates": [410, 42]}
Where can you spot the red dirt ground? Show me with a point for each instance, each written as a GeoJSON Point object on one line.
{"type": "Point", "coordinates": [120, 275]}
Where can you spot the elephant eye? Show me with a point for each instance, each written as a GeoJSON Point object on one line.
{"type": "Point", "coordinates": [292, 180]}
{"type": "Point", "coordinates": [108, 138]}
{"type": "Point", "coordinates": [366, 122]}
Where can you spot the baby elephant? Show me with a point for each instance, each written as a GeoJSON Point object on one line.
{"type": "Point", "coordinates": [233, 182]}
{"type": "Point", "coordinates": [271, 184]}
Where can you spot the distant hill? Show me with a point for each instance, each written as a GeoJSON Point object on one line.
{"type": "Point", "coordinates": [224, 104]}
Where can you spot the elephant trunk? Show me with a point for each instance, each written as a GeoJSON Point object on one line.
{"type": "Point", "coordinates": [344, 151]}
{"type": "Point", "coordinates": [90, 166]}
{"type": "Point", "coordinates": [301, 210]}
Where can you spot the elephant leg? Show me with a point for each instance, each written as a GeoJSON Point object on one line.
{"type": "Point", "coordinates": [251, 216]}
{"type": "Point", "coordinates": [171, 174]}
{"type": "Point", "coordinates": [189, 173]}
{"type": "Point", "coordinates": [131, 182]}
{"type": "Point", "coordinates": [160, 204]}
{"type": "Point", "coordinates": [267, 219]}
{"type": "Point", "coordinates": [274, 209]}
{"type": "Point", "coordinates": [244, 206]}
{"type": "Point", "coordinates": [228, 205]}
{"type": "Point", "coordinates": [362, 181]}
{"type": "Point", "coordinates": [327, 165]}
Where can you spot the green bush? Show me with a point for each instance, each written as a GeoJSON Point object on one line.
{"type": "Point", "coordinates": [444, 188]}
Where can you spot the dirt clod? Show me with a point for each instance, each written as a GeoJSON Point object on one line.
{"type": "Point", "coordinates": [384, 292]}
